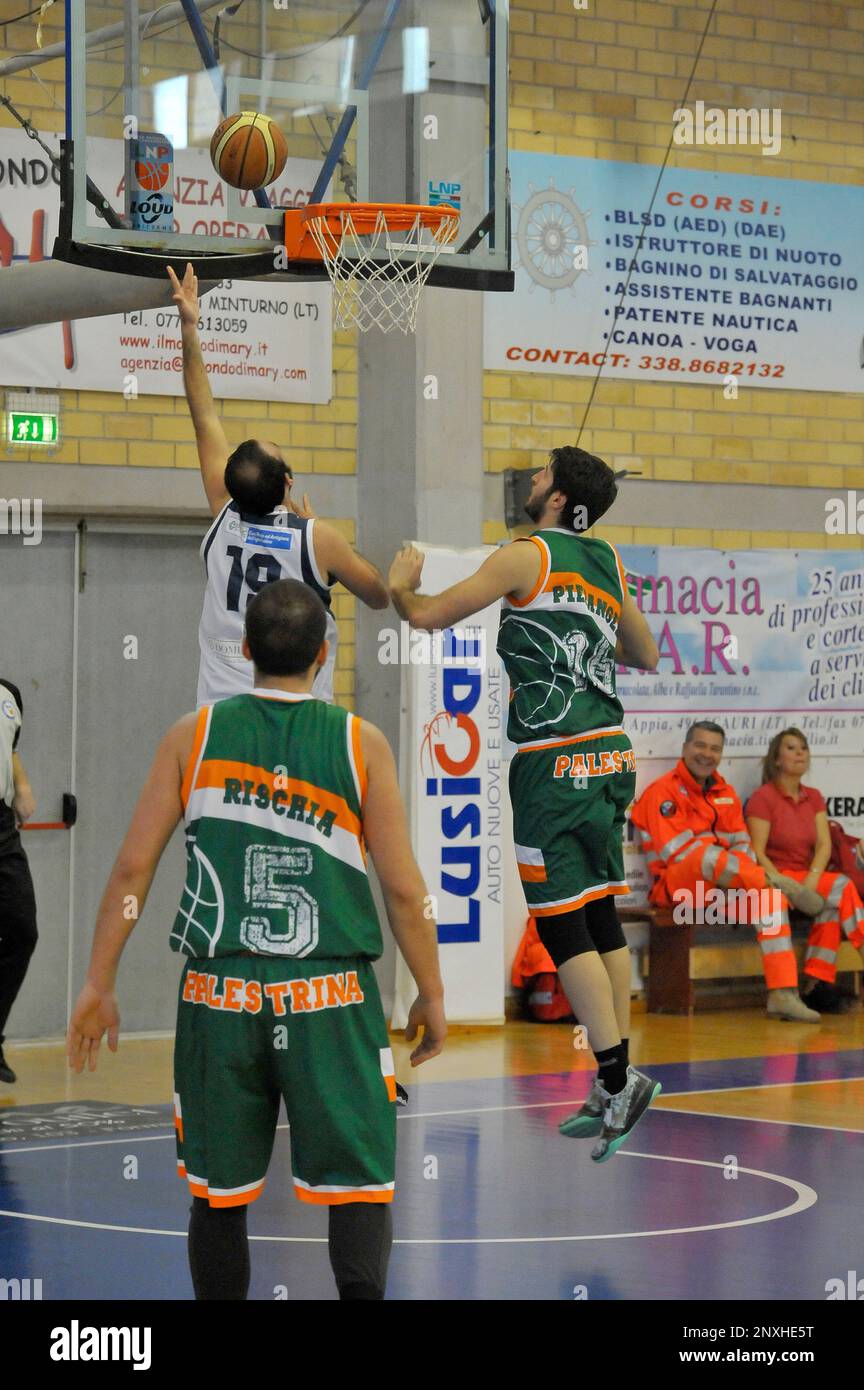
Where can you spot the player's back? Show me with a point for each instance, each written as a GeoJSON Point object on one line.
{"type": "Point", "coordinates": [276, 860]}
{"type": "Point", "coordinates": [558, 644]}
{"type": "Point", "coordinates": [241, 554]}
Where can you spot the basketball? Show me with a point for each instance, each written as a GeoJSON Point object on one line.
{"type": "Point", "coordinates": [248, 150]}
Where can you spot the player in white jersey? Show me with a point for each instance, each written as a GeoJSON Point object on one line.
{"type": "Point", "coordinates": [258, 535]}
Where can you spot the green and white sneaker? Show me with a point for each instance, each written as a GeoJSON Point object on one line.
{"type": "Point", "coordinates": [623, 1112]}
{"type": "Point", "coordinates": [588, 1120]}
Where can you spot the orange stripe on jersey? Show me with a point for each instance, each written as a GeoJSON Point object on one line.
{"type": "Point", "coordinates": [545, 566]}
{"type": "Point", "coordinates": [214, 772]}
{"type": "Point", "coordinates": [562, 578]}
{"type": "Point", "coordinates": [338, 1199]}
{"type": "Point", "coordinates": [621, 574]}
{"type": "Point", "coordinates": [583, 898]}
{"type": "Point", "coordinates": [236, 1199]}
{"type": "Point", "coordinates": [200, 727]}
{"type": "Point", "coordinates": [570, 738]}
{"type": "Point", "coordinates": [359, 762]}
{"type": "Point", "coordinates": [532, 873]}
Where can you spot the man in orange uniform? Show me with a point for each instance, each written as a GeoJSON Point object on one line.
{"type": "Point", "coordinates": [692, 828]}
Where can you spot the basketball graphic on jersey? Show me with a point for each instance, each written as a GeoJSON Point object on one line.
{"type": "Point", "coordinates": [557, 668]}
{"type": "Point", "coordinates": [201, 914]}
{"type": "Point", "coordinates": [548, 692]}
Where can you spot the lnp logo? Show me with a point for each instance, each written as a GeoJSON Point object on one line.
{"type": "Point", "coordinates": [443, 192]}
{"type": "Point", "coordinates": [462, 688]}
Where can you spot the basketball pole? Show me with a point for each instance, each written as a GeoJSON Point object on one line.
{"type": "Point", "coordinates": [131, 69]}
{"type": "Point", "coordinates": [214, 72]}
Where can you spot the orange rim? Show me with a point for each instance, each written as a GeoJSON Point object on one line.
{"type": "Point", "coordinates": [398, 217]}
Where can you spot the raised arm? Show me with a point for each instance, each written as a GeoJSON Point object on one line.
{"type": "Point", "coordinates": [405, 896]}
{"type": "Point", "coordinates": [213, 446]}
{"type": "Point", "coordinates": [335, 556]}
{"type": "Point", "coordinates": [514, 569]}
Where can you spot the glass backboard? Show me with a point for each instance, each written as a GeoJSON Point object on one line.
{"type": "Point", "coordinates": [396, 101]}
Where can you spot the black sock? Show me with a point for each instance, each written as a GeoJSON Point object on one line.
{"type": "Point", "coordinates": [612, 1068]}
{"type": "Point", "coordinates": [625, 1043]}
{"type": "Point", "coordinates": [218, 1251]}
{"type": "Point", "coordinates": [361, 1234]}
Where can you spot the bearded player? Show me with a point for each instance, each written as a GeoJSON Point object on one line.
{"type": "Point", "coordinates": [567, 619]}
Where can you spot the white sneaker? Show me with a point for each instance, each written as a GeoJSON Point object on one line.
{"type": "Point", "coordinates": [785, 1003]}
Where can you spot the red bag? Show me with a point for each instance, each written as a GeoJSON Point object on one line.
{"type": "Point", "coordinates": [534, 973]}
{"type": "Point", "coordinates": [843, 860]}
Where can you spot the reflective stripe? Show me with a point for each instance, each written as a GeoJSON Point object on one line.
{"type": "Point", "coordinates": [730, 870]}
{"type": "Point", "coordinates": [676, 842]}
{"type": "Point", "coordinates": [837, 891]}
{"type": "Point", "coordinates": [775, 945]}
{"type": "Point", "coordinates": [853, 923]}
{"type": "Point", "coordinates": [821, 953]}
{"type": "Point", "coordinates": [709, 860]}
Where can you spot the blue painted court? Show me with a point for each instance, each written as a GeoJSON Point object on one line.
{"type": "Point", "coordinates": [492, 1203]}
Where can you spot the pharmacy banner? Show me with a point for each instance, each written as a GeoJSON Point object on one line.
{"type": "Point", "coordinates": [756, 641]}
{"type": "Point", "coordinates": [451, 778]}
{"type": "Point", "coordinates": [734, 283]}
{"type": "Point", "coordinates": [261, 341]}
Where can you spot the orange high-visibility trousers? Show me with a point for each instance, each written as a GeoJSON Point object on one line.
{"type": "Point", "coordinates": [723, 868]}
{"type": "Point", "coordinates": [843, 913]}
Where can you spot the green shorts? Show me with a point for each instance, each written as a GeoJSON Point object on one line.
{"type": "Point", "coordinates": [251, 1031]}
{"type": "Point", "coordinates": [569, 800]}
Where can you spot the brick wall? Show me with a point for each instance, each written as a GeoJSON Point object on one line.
{"type": "Point", "coordinates": [100, 427]}
{"type": "Point", "coordinates": [603, 83]}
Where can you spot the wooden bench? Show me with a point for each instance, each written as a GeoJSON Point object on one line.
{"type": "Point", "coordinates": [677, 960]}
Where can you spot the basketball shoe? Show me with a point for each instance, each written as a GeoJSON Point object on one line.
{"type": "Point", "coordinates": [588, 1120]}
{"type": "Point", "coordinates": [623, 1111]}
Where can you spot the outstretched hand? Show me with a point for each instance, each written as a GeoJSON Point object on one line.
{"type": "Point", "coordinates": [186, 295]}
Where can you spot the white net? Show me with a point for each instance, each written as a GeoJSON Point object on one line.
{"type": "Point", "coordinates": [378, 274]}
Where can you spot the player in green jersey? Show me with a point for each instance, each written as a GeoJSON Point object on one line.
{"type": "Point", "coordinates": [282, 795]}
{"type": "Point", "coordinates": [567, 619]}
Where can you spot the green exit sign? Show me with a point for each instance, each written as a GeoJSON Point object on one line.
{"type": "Point", "coordinates": [32, 429]}
{"type": "Point", "coordinates": [32, 420]}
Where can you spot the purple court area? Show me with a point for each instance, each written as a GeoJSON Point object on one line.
{"type": "Point", "coordinates": [492, 1203]}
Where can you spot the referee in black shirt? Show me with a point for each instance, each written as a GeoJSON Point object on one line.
{"type": "Point", "coordinates": [17, 903]}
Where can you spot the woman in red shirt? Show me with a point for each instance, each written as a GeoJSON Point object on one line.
{"type": "Point", "coordinates": [788, 826]}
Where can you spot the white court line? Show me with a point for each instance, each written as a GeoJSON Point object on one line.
{"type": "Point", "coordinates": [129, 1138]}
{"type": "Point", "coordinates": [805, 1197]}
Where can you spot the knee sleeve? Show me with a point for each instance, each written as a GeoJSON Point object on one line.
{"type": "Point", "coordinates": [360, 1237]}
{"type": "Point", "coordinates": [604, 928]}
{"type": "Point", "coordinates": [565, 935]}
{"type": "Point", "coordinates": [218, 1252]}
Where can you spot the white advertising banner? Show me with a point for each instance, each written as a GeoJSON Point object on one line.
{"type": "Point", "coordinates": [452, 781]}
{"type": "Point", "coordinates": [260, 341]}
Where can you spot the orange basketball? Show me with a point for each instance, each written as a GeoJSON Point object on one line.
{"type": "Point", "coordinates": [248, 150]}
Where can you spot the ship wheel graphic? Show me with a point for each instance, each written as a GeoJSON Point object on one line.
{"type": "Point", "coordinates": [550, 232]}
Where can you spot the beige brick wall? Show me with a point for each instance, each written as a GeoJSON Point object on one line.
{"type": "Point", "coordinates": [101, 427]}
{"type": "Point", "coordinates": [603, 83]}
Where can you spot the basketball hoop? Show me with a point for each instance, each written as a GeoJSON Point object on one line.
{"type": "Point", "coordinates": [377, 255]}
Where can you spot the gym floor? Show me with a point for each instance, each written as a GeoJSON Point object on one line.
{"type": "Point", "coordinates": [736, 1186]}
